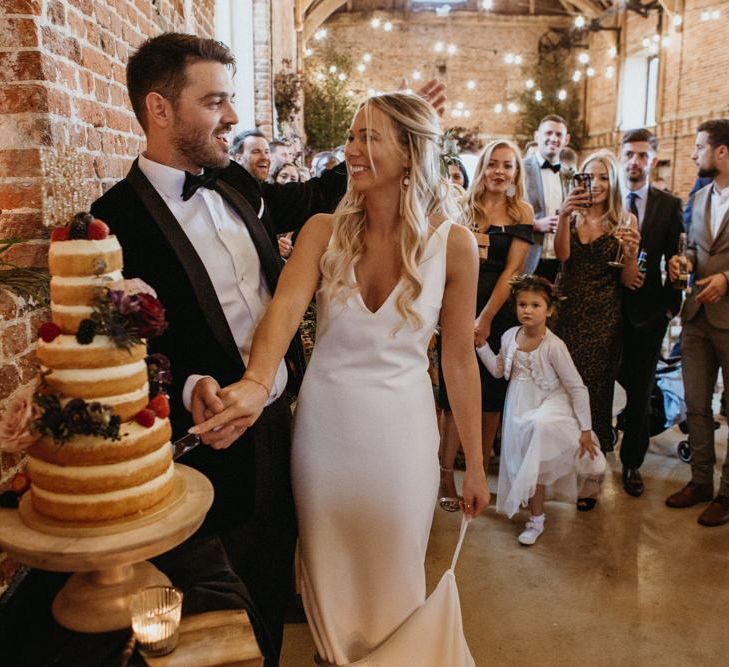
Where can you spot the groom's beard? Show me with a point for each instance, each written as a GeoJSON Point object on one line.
{"type": "Point", "coordinates": [199, 146]}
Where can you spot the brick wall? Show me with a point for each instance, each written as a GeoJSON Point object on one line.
{"type": "Point", "coordinates": [692, 86]}
{"type": "Point", "coordinates": [263, 66]}
{"type": "Point", "coordinates": [482, 42]}
{"type": "Point", "coordinates": [62, 83]}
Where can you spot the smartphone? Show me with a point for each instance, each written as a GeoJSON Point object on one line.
{"type": "Point", "coordinates": [583, 180]}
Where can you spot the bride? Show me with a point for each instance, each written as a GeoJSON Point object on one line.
{"type": "Point", "coordinates": [387, 267]}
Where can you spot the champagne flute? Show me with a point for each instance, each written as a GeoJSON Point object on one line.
{"type": "Point", "coordinates": [619, 231]}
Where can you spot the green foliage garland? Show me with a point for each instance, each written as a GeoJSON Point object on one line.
{"type": "Point", "coordinates": [328, 110]}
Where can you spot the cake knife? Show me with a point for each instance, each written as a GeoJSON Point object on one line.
{"type": "Point", "coordinates": [184, 445]}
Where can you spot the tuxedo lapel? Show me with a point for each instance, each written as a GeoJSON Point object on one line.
{"type": "Point", "coordinates": [649, 216]}
{"type": "Point", "coordinates": [531, 164]}
{"type": "Point", "coordinates": [270, 259]}
{"type": "Point", "coordinates": [189, 259]}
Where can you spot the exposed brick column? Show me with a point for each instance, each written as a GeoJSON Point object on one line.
{"type": "Point", "coordinates": [263, 74]}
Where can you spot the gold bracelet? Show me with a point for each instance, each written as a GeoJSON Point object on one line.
{"type": "Point", "coordinates": [258, 382]}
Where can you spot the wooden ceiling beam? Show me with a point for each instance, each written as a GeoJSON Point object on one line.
{"type": "Point", "coordinates": [318, 15]}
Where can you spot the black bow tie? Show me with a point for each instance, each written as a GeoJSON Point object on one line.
{"type": "Point", "coordinates": [205, 180]}
{"type": "Point", "coordinates": [554, 167]}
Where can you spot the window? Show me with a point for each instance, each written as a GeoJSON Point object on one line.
{"type": "Point", "coordinates": [638, 93]}
{"type": "Point", "coordinates": [234, 27]}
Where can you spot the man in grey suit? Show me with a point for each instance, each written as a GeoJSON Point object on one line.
{"type": "Point", "coordinates": [545, 191]}
{"type": "Point", "coordinates": [705, 317]}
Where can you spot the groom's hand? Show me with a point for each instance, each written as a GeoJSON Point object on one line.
{"type": "Point", "coordinates": [205, 402]}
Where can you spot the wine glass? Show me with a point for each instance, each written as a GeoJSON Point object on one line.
{"type": "Point", "coordinates": [619, 231]}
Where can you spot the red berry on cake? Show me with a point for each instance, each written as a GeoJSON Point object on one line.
{"type": "Point", "coordinates": [160, 404]}
{"type": "Point", "coordinates": [20, 483]}
{"type": "Point", "coordinates": [49, 331]}
{"type": "Point", "coordinates": [97, 230]}
{"type": "Point", "coordinates": [145, 417]}
{"type": "Point", "coordinates": [60, 234]}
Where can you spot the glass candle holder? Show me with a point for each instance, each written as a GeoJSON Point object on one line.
{"type": "Point", "coordinates": [156, 613]}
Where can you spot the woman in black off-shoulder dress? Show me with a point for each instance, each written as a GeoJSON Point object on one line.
{"type": "Point", "coordinates": [496, 211]}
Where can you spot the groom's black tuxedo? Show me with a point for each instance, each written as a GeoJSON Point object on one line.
{"type": "Point", "coordinates": [253, 508]}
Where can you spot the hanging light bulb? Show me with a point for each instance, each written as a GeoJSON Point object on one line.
{"type": "Point", "coordinates": [529, 83]}
{"type": "Point", "coordinates": [584, 58]}
{"type": "Point", "coordinates": [438, 47]}
{"type": "Point", "coordinates": [387, 26]}
{"type": "Point", "coordinates": [590, 71]}
{"type": "Point", "coordinates": [576, 76]}
{"type": "Point", "coordinates": [332, 69]}
{"type": "Point", "coordinates": [538, 96]}
{"type": "Point", "coordinates": [498, 108]}
{"type": "Point", "coordinates": [417, 75]}
{"type": "Point", "coordinates": [452, 49]}
{"type": "Point", "coordinates": [320, 34]}
{"type": "Point", "coordinates": [580, 22]}
{"type": "Point", "coordinates": [612, 52]}
{"type": "Point", "coordinates": [609, 72]}
{"type": "Point", "coordinates": [375, 23]}
{"type": "Point", "coordinates": [367, 57]}
{"type": "Point", "coordinates": [562, 95]}
{"type": "Point", "coordinates": [471, 85]}
{"type": "Point", "coordinates": [677, 20]}
{"type": "Point", "coordinates": [509, 58]}
{"type": "Point", "coordinates": [361, 68]}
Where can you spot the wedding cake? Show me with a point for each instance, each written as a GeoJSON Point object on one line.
{"type": "Point", "coordinates": [103, 447]}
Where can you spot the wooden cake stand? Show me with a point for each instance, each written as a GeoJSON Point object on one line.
{"type": "Point", "coordinates": [108, 559]}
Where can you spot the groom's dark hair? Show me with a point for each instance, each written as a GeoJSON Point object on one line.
{"type": "Point", "coordinates": [159, 66]}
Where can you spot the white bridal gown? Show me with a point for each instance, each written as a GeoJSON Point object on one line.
{"type": "Point", "coordinates": [365, 465]}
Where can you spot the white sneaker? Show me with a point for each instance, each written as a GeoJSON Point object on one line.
{"type": "Point", "coordinates": [533, 529]}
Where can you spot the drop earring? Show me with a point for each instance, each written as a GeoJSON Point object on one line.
{"type": "Point", "coordinates": [404, 185]}
{"type": "Point", "coordinates": [510, 190]}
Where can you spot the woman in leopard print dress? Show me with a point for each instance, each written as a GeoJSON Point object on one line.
{"type": "Point", "coordinates": [590, 314]}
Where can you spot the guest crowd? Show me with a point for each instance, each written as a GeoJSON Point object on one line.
{"type": "Point", "coordinates": [613, 245]}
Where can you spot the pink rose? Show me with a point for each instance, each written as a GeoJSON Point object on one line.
{"type": "Point", "coordinates": [16, 421]}
{"type": "Point", "coordinates": [136, 286]}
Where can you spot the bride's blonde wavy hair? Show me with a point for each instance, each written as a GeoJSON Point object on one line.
{"type": "Point", "coordinates": [516, 207]}
{"type": "Point", "coordinates": [428, 192]}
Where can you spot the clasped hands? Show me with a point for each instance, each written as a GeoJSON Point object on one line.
{"type": "Point", "coordinates": [221, 416]}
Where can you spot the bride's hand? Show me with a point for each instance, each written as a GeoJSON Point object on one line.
{"type": "Point", "coordinates": [476, 496]}
{"type": "Point", "coordinates": [244, 401]}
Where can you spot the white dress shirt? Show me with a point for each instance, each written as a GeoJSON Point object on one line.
{"type": "Point", "coordinates": [553, 195]}
{"type": "Point", "coordinates": [224, 245]}
{"type": "Point", "coordinates": [640, 202]}
{"type": "Point", "coordinates": [719, 207]}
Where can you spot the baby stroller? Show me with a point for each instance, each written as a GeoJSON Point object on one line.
{"type": "Point", "coordinates": [667, 406]}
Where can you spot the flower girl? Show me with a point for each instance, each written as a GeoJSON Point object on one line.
{"type": "Point", "coordinates": [547, 444]}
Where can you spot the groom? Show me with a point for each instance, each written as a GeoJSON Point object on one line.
{"type": "Point", "coordinates": [188, 221]}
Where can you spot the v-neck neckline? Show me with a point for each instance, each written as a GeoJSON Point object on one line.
{"type": "Point", "coordinates": [397, 284]}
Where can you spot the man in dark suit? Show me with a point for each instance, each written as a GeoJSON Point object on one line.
{"type": "Point", "coordinates": [188, 221]}
{"type": "Point", "coordinates": [545, 191]}
{"type": "Point", "coordinates": [650, 303]}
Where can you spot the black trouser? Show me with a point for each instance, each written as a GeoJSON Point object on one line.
{"type": "Point", "coordinates": [641, 351]}
{"type": "Point", "coordinates": [253, 512]}
{"type": "Point", "coordinates": [548, 268]}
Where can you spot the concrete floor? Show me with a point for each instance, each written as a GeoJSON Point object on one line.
{"type": "Point", "coordinates": [630, 583]}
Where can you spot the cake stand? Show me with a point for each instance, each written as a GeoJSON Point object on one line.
{"type": "Point", "coordinates": [108, 560]}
